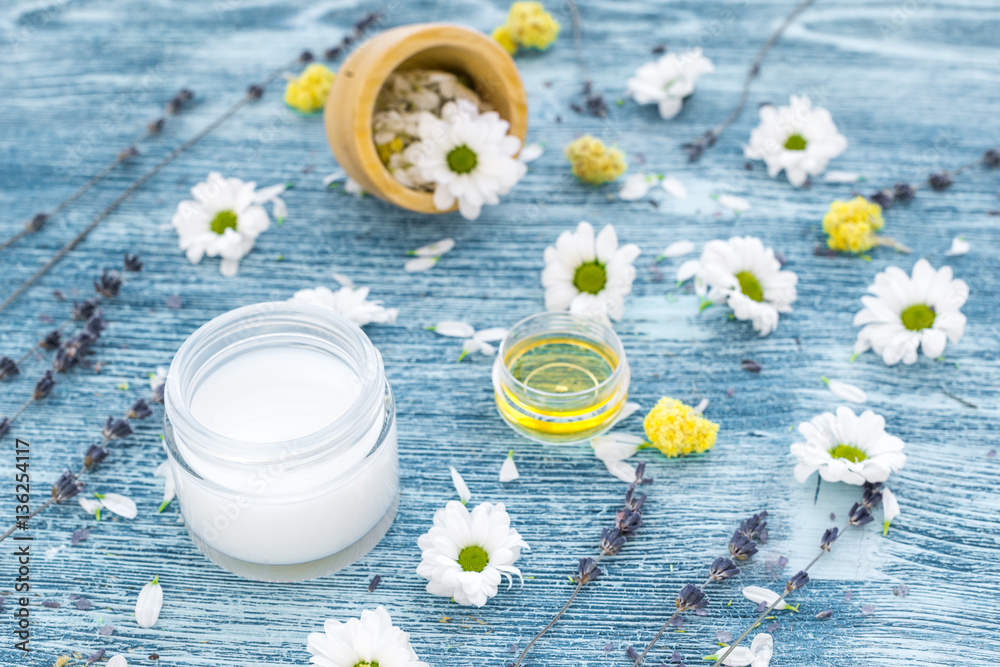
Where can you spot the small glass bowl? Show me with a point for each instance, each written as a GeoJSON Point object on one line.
{"type": "Point", "coordinates": [560, 378]}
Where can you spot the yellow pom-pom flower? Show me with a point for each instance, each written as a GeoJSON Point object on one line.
{"type": "Point", "coordinates": [528, 26]}
{"type": "Point", "coordinates": [503, 38]}
{"type": "Point", "coordinates": [677, 430]}
{"type": "Point", "coordinates": [307, 92]}
{"type": "Point", "coordinates": [593, 162]}
{"type": "Point", "coordinates": [851, 225]}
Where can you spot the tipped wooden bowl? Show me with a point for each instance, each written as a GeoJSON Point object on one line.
{"type": "Point", "coordinates": [351, 102]}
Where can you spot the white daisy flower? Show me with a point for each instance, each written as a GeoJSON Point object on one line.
{"type": "Point", "coordinates": [149, 603]}
{"type": "Point", "coordinates": [351, 302]}
{"type": "Point", "coordinates": [907, 313]}
{"type": "Point", "coordinates": [469, 156]}
{"type": "Point", "coordinates": [959, 246]}
{"type": "Point", "coordinates": [466, 554]}
{"type": "Point", "coordinates": [890, 509]}
{"type": "Point", "coordinates": [847, 392]}
{"type": "Point", "coordinates": [758, 655]}
{"type": "Point", "coordinates": [746, 276]}
{"type": "Point", "coordinates": [845, 447]}
{"type": "Point", "coordinates": [589, 276]}
{"type": "Point", "coordinates": [668, 81]}
{"type": "Point", "coordinates": [365, 642]}
{"type": "Point", "coordinates": [508, 471]}
{"type": "Point", "coordinates": [223, 220]}
{"type": "Point", "coordinates": [757, 595]}
{"type": "Point", "coordinates": [797, 138]}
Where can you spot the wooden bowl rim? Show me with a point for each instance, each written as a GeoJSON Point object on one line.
{"type": "Point", "coordinates": [415, 39]}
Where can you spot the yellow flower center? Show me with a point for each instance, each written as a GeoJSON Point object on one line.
{"type": "Point", "coordinates": [367, 663]}
{"type": "Point", "coordinates": [222, 221]}
{"type": "Point", "coordinates": [917, 317]}
{"type": "Point", "coordinates": [849, 452]}
{"type": "Point", "coordinates": [750, 286]}
{"type": "Point", "coordinates": [462, 159]}
{"type": "Point", "coordinates": [590, 277]}
{"type": "Point", "coordinates": [473, 559]}
{"type": "Point", "coordinates": [796, 142]}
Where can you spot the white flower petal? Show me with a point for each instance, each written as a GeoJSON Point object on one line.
{"type": "Point", "coordinates": [120, 505]}
{"type": "Point", "coordinates": [688, 270]}
{"type": "Point", "coordinates": [738, 204]}
{"type": "Point", "coordinates": [334, 177]}
{"type": "Point", "coordinates": [700, 408]}
{"type": "Point", "coordinates": [508, 471]}
{"type": "Point", "coordinates": [117, 661]}
{"type": "Point", "coordinates": [454, 329]}
{"type": "Point", "coordinates": [678, 249]}
{"type": "Point", "coordinates": [420, 264]}
{"type": "Point", "coordinates": [90, 505]}
{"type": "Point", "coordinates": [674, 187]}
{"type": "Point", "coordinates": [435, 249]}
{"type": "Point", "coordinates": [636, 186]}
{"type": "Point", "coordinates": [890, 508]}
{"type": "Point", "coordinates": [841, 177]}
{"type": "Point", "coordinates": [847, 392]}
{"type": "Point", "coordinates": [491, 335]}
{"type": "Point", "coordinates": [343, 280]}
{"type": "Point", "coordinates": [147, 607]}
{"type": "Point", "coordinates": [756, 594]}
{"type": "Point", "coordinates": [460, 486]}
{"type": "Point", "coordinates": [531, 152]}
{"type": "Point", "coordinates": [959, 246]}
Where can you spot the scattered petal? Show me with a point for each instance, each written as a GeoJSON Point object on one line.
{"type": "Point", "coordinates": [454, 329]}
{"type": "Point", "coordinates": [343, 280]}
{"type": "Point", "coordinates": [688, 270]}
{"type": "Point", "coordinates": [678, 249]}
{"type": "Point", "coordinates": [674, 187]}
{"type": "Point", "coordinates": [700, 408]}
{"type": "Point", "coordinates": [435, 249]}
{"type": "Point", "coordinates": [531, 152]}
{"type": "Point", "coordinates": [89, 505]}
{"type": "Point", "coordinates": [117, 660]}
{"type": "Point", "coordinates": [508, 471]}
{"type": "Point", "coordinates": [847, 392]}
{"type": "Point", "coordinates": [959, 246]}
{"type": "Point", "coordinates": [491, 335]}
{"type": "Point", "coordinates": [842, 177]}
{"type": "Point", "coordinates": [738, 204]}
{"type": "Point", "coordinates": [419, 264]}
{"type": "Point", "coordinates": [637, 186]}
{"type": "Point", "coordinates": [333, 178]}
{"type": "Point", "coordinates": [119, 504]}
{"type": "Point", "coordinates": [107, 631]}
{"type": "Point", "coordinates": [463, 490]}
{"type": "Point", "coordinates": [173, 302]}
{"type": "Point", "coordinates": [890, 508]}
{"type": "Point", "coordinates": [763, 596]}
{"type": "Point", "coordinates": [147, 607]}
{"type": "Point", "coordinates": [867, 609]}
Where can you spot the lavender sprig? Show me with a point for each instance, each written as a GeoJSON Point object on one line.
{"type": "Point", "coordinates": [859, 515]}
{"type": "Point", "coordinates": [938, 181]}
{"type": "Point", "coordinates": [628, 520]}
{"type": "Point", "coordinates": [742, 546]}
{"type": "Point", "coordinates": [69, 483]}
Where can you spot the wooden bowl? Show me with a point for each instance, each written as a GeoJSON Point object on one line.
{"type": "Point", "coordinates": [351, 102]}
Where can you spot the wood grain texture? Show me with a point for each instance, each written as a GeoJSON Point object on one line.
{"type": "Point", "coordinates": [914, 87]}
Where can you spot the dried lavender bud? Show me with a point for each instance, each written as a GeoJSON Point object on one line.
{"type": "Point", "coordinates": [79, 535]}
{"type": "Point", "coordinates": [332, 53]}
{"type": "Point", "coordinates": [116, 429]}
{"type": "Point", "coordinates": [741, 548]}
{"type": "Point", "coordinates": [612, 541]}
{"type": "Point", "coordinates": [596, 106]}
{"type": "Point", "coordinates": [632, 654]}
{"type": "Point", "coordinates": [694, 149]}
{"type": "Point", "coordinates": [94, 326]}
{"type": "Point", "coordinates": [829, 537]}
{"type": "Point", "coordinates": [127, 153]}
{"type": "Point", "coordinates": [139, 410]}
{"type": "Point", "coordinates": [52, 339]}
{"type": "Point", "coordinates": [940, 181]}
{"type": "Point", "coordinates": [587, 571]}
{"type": "Point", "coordinates": [751, 366]}
{"type": "Point", "coordinates": [255, 92]}
{"type": "Point", "coordinates": [634, 501]}
{"type": "Point", "coordinates": [883, 198]}
{"type": "Point", "coordinates": [155, 126]}
{"type": "Point", "coordinates": [109, 284]}
{"type": "Point", "coordinates": [66, 486]}
{"type": "Point", "coordinates": [64, 360]}
{"type": "Point", "coordinates": [991, 158]}
{"type": "Point", "coordinates": [859, 515]}
{"type": "Point", "coordinates": [826, 613]}
{"type": "Point", "coordinates": [173, 106]}
{"type": "Point", "coordinates": [627, 521]}
{"type": "Point", "coordinates": [185, 95]}
{"type": "Point", "coordinates": [871, 498]}
{"type": "Point", "coordinates": [690, 597]}
{"type": "Point", "coordinates": [94, 455]}
{"type": "Point", "coordinates": [798, 581]}
{"type": "Point", "coordinates": [8, 367]}
{"type": "Point", "coordinates": [722, 568]}
{"type": "Point", "coordinates": [640, 474]}
{"type": "Point", "coordinates": [754, 528]}
{"type": "Point", "coordinates": [903, 191]}
{"type": "Point", "coordinates": [373, 584]}
{"type": "Point", "coordinates": [132, 263]}
{"type": "Point", "coordinates": [158, 392]}
{"type": "Point", "coordinates": [44, 386]}
{"type": "Point", "coordinates": [4, 426]}
{"type": "Point", "coordinates": [36, 223]}
{"type": "Point", "coordinates": [100, 653]}
{"type": "Point", "coordinates": [367, 21]}
{"type": "Point", "coordinates": [83, 310]}
{"type": "Point", "coordinates": [306, 57]}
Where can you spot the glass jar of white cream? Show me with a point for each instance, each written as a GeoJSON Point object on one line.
{"type": "Point", "coordinates": [281, 432]}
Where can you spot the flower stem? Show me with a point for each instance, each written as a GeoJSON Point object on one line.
{"type": "Point", "coordinates": [663, 628]}
{"type": "Point", "coordinates": [579, 586]}
{"type": "Point", "coordinates": [710, 137]}
{"type": "Point", "coordinates": [38, 509]}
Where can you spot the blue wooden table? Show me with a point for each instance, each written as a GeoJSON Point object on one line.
{"type": "Point", "coordinates": [915, 87]}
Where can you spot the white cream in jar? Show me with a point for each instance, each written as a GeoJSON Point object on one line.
{"type": "Point", "coordinates": [280, 428]}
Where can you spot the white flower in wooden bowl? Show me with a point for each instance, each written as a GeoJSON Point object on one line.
{"type": "Point", "coordinates": [224, 219]}
{"type": "Point", "coordinates": [371, 640]}
{"type": "Point", "coordinates": [670, 80]}
{"type": "Point", "coordinates": [849, 448]}
{"type": "Point", "coordinates": [589, 276]}
{"type": "Point", "coordinates": [746, 276]}
{"type": "Point", "coordinates": [467, 554]}
{"type": "Point", "coordinates": [797, 138]}
{"type": "Point", "coordinates": [351, 302]}
{"type": "Point", "coordinates": [468, 156]}
{"type": "Point", "coordinates": [904, 314]}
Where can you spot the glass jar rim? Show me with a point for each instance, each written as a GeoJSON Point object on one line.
{"type": "Point", "coordinates": [239, 324]}
{"type": "Point", "coordinates": [611, 338]}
